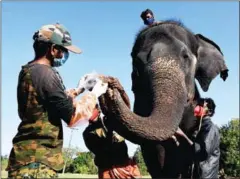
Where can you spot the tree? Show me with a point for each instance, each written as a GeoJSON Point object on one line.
{"type": "Point", "coordinates": [84, 164]}
{"type": "Point", "coordinates": [140, 162]}
{"type": "Point", "coordinates": [230, 148]}
{"type": "Point", "coordinates": [68, 155]}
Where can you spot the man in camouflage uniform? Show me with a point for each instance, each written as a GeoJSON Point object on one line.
{"type": "Point", "coordinates": [42, 103]}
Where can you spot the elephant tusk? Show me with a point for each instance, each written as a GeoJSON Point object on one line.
{"type": "Point", "coordinates": [175, 139]}
{"type": "Point", "coordinates": [181, 133]}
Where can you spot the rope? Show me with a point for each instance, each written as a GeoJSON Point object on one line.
{"type": "Point", "coordinates": [200, 124]}
{"type": "Point", "coordinates": [199, 128]}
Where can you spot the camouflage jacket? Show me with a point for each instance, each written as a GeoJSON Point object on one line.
{"type": "Point", "coordinates": [42, 103]}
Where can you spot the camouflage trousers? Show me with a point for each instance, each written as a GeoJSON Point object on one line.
{"type": "Point", "coordinates": [33, 170]}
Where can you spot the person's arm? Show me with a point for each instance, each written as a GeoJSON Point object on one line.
{"type": "Point", "coordinates": [74, 92]}
{"type": "Point", "coordinates": [84, 107]}
{"type": "Point", "coordinates": [57, 102]}
{"type": "Point", "coordinates": [212, 140]}
{"type": "Point", "coordinates": [94, 143]}
{"type": "Point", "coordinates": [51, 94]}
{"type": "Point", "coordinates": [200, 152]}
{"type": "Point", "coordinates": [207, 142]}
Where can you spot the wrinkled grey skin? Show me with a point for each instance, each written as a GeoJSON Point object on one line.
{"type": "Point", "coordinates": [166, 58]}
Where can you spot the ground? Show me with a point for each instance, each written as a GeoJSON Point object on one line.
{"type": "Point", "coordinates": [67, 175]}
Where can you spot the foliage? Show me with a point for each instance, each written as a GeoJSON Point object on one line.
{"type": "Point", "coordinates": [83, 164]}
{"type": "Point", "coordinates": [140, 162]}
{"type": "Point", "coordinates": [68, 155]}
{"type": "Point", "coordinates": [230, 148]}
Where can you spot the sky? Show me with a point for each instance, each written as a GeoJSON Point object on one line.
{"type": "Point", "coordinates": [105, 31]}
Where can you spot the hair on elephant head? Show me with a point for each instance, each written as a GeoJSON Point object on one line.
{"type": "Point", "coordinates": [166, 59]}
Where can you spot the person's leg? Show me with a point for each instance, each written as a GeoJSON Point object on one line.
{"type": "Point", "coordinates": [33, 170]}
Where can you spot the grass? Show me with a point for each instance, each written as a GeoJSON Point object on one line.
{"type": "Point", "coordinates": [67, 175]}
{"type": "Point", "coordinates": [70, 175]}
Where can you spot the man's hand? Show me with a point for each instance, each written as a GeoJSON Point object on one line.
{"type": "Point", "coordinates": [74, 92]}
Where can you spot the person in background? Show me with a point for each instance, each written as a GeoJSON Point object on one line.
{"type": "Point", "coordinates": [207, 141]}
{"type": "Point", "coordinates": [43, 102]}
{"type": "Point", "coordinates": [109, 148]}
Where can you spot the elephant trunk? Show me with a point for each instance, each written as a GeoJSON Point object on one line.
{"type": "Point", "coordinates": [169, 94]}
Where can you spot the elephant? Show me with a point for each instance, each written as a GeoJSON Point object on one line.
{"type": "Point", "coordinates": [167, 60]}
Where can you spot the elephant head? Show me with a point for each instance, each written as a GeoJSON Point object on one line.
{"type": "Point", "coordinates": [166, 59]}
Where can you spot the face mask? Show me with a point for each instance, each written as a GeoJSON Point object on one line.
{"type": "Point", "coordinates": [149, 21]}
{"type": "Point", "coordinates": [60, 62]}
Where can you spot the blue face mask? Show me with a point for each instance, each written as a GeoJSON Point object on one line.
{"type": "Point", "coordinates": [60, 62]}
{"type": "Point", "coordinates": [149, 21]}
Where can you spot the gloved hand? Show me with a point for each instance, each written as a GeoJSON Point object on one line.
{"type": "Point", "coordinates": [99, 88]}
{"type": "Point", "coordinates": [88, 81]}
{"type": "Point", "coordinates": [83, 109]}
{"type": "Point", "coordinates": [74, 92]}
{"type": "Point", "coordinates": [82, 81]}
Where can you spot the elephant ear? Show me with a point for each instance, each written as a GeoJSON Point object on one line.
{"type": "Point", "coordinates": [210, 62]}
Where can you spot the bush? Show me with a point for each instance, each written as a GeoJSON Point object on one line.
{"type": "Point", "coordinates": [83, 164]}
{"type": "Point", "coordinates": [230, 148]}
{"type": "Point", "coordinates": [140, 162]}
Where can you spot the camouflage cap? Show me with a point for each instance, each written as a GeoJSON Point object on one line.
{"type": "Point", "coordinates": [56, 34]}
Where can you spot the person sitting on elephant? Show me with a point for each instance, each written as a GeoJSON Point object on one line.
{"type": "Point", "coordinates": [109, 148]}
{"type": "Point", "coordinates": [207, 140]}
{"type": "Point", "coordinates": [148, 17]}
